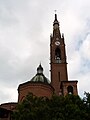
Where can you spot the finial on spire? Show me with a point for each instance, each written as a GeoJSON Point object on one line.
{"type": "Point", "coordinates": [55, 14]}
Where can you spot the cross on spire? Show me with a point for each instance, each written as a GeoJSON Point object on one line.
{"type": "Point", "coordinates": [55, 11]}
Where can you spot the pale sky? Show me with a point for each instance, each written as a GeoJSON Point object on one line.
{"type": "Point", "coordinates": [25, 28]}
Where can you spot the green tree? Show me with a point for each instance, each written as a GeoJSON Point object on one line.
{"type": "Point", "coordinates": [86, 101]}
{"type": "Point", "coordinates": [69, 107]}
{"type": "Point", "coordinates": [32, 108]}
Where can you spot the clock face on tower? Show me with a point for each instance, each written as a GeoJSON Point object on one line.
{"type": "Point", "coordinates": [57, 43]}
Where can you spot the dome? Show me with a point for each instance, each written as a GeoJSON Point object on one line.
{"type": "Point", "coordinates": [39, 77]}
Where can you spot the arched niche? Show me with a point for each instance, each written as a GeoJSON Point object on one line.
{"type": "Point", "coordinates": [57, 55]}
{"type": "Point", "coordinates": [70, 89]}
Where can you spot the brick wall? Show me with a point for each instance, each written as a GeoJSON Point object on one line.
{"type": "Point", "coordinates": [38, 89]}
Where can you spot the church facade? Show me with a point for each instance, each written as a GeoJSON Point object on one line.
{"type": "Point", "coordinates": [39, 85]}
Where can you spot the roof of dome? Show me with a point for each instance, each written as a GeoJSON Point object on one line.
{"type": "Point", "coordinates": [39, 77]}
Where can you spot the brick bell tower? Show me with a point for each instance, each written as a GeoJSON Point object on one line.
{"type": "Point", "coordinates": [59, 76]}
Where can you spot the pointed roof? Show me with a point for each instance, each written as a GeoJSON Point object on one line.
{"type": "Point", "coordinates": [55, 20]}
{"type": "Point", "coordinates": [56, 29]}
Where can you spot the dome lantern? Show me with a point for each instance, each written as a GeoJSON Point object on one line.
{"type": "Point", "coordinates": [40, 69]}
{"type": "Point", "coordinates": [39, 77]}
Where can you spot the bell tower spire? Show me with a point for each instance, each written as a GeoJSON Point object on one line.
{"type": "Point", "coordinates": [57, 57]}
{"type": "Point", "coordinates": [56, 30]}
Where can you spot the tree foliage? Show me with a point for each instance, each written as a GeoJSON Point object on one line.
{"type": "Point", "coordinates": [69, 107]}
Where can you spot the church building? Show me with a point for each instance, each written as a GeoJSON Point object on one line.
{"type": "Point", "coordinates": [39, 85]}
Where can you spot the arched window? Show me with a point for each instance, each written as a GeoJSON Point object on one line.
{"type": "Point", "coordinates": [70, 89]}
{"type": "Point", "coordinates": [57, 55]}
